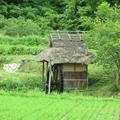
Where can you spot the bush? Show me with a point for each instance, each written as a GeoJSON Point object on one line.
{"type": "Point", "coordinates": [6, 40]}
{"type": "Point", "coordinates": [97, 75]}
{"type": "Point", "coordinates": [21, 27]}
{"type": "Point", "coordinates": [25, 40]}
{"type": "Point", "coordinates": [32, 40]}
{"type": "Point", "coordinates": [93, 74]}
{"type": "Point", "coordinates": [20, 81]}
{"type": "Point", "coordinates": [115, 88]}
{"type": "Point", "coordinates": [2, 21]}
{"type": "Point", "coordinates": [22, 45]}
{"type": "Point", "coordinates": [20, 50]}
{"type": "Point", "coordinates": [4, 59]}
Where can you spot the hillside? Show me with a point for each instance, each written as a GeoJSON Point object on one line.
{"type": "Point", "coordinates": [24, 30]}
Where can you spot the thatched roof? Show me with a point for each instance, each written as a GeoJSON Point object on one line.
{"type": "Point", "coordinates": [62, 55]}
{"type": "Point", "coordinates": [63, 39]}
{"type": "Point", "coordinates": [65, 50]}
{"type": "Point", "coordinates": [60, 35]}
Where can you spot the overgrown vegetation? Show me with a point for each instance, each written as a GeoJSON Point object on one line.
{"type": "Point", "coordinates": [20, 81]}
{"type": "Point", "coordinates": [25, 25]}
{"type": "Point", "coordinates": [22, 45]}
{"type": "Point", "coordinates": [39, 16]}
{"type": "Point", "coordinates": [105, 38]}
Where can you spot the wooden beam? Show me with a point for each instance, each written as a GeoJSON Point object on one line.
{"type": "Point", "coordinates": [43, 68]}
{"type": "Point", "coordinates": [87, 75]}
{"type": "Point", "coordinates": [60, 78]}
{"type": "Point", "coordinates": [50, 78]}
{"type": "Point", "coordinates": [47, 78]}
{"type": "Point", "coordinates": [46, 67]}
{"type": "Point", "coordinates": [49, 83]}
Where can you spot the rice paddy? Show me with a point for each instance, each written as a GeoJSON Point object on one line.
{"type": "Point", "coordinates": [57, 107]}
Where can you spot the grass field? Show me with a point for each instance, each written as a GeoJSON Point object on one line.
{"type": "Point", "coordinates": [34, 105]}
{"type": "Point", "coordinates": [66, 106]}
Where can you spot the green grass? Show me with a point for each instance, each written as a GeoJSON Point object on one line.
{"type": "Point", "coordinates": [38, 106]}
{"type": "Point", "coordinates": [25, 45]}
{"type": "Point", "coordinates": [30, 40]}
{"type": "Point", "coordinates": [29, 76]}
{"type": "Point", "coordinates": [20, 81]}
{"type": "Point", "coordinates": [21, 49]}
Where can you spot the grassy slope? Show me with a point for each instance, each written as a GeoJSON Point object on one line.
{"type": "Point", "coordinates": [100, 84]}
{"type": "Point", "coordinates": [29, 75]}
{"type": "Point", "coordinates": [37, 106]}
{"type": "Point", "coordinates": [31, 70]}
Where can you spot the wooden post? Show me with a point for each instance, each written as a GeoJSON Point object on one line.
{"type": "Point", "coordinates": [87, 75]}
{"type": "Point", "coordinates": [43, 72]}
{"type": "Point", "coordinates": [50, 78]}
{"type": "Point", "coordinates": [60, 78]}
{"type": "Point", "coordinates": [58, 67]}
{"type": "Point", "coordinates": [46, 68]}
{"type": "Point", "coordinates": [47, 78]}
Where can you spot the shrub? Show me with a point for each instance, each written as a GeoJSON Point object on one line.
{"type": "Point", "coordinates": [2, 21]}
{"type": "Point", "coordinates": [7, 40]}
{"type": "Point", "coordinates": [25, 40]}
{"type": "Point", "coordinates": [21, 27]}
{"type": "Point", "coordinates": [20, 81]}
{"type": "Point", "coordinates": [4, 59]}
{"type": "Point", "coordinates": [115, 88]}
{"type": "Point", "coordinates": [32, 40]}
{"type": "Point", "coordinates": [93, 74]}
{"type": "Point", "coordinates": [20, 50]}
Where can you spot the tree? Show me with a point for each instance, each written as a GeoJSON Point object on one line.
{"type": "Point", "coordinates": [14, 1]}
{"type": "Point", "coordinates": [21, 27]}
{"type": "Point", "coordinates": [105, 37]}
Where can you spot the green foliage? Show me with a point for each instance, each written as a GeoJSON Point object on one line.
{"type": "Point", "coordinates": [44, 25]}
{"type": "Point", "coordinates": [32, 40]}
{"type": "Point", "coordinates": [105, 37]}
{"type": "Point", "coordinates": [94, 3]}
{"type": "Point", "coordinates": [113, 2]}
{"type": "Point", "coordinates": [2, 21]}
{"type": "Point", "coordinates": [20, 50]}
{"type": "Point", "coordinates": [106, 13]}
{"type": "Point", "coordinates": [4, 59]}
{"type": "Point", "coordinates": [115, 88]}
{"type": "Point", "coordinates": [20, 81]}
{"type": "Point", "coordinates": [25, 20]}
{"type": "Point", "coordinates": [97, 75]}
{"type": "Point", "coordinates": [50, 14]}
{"type": "Point", "coordinates": [22, 45]}
{"type": "Point", "coordinates": [21, 27]}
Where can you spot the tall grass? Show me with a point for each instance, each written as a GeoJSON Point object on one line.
{"type": "Point", "coordinates": [25, 40]}
{"type": "Point", "coordinates": [20, 49]}
{"type": "Point", "coordinates": [22, 45]}
{"type": "Point", "coordinates": [20, 81]}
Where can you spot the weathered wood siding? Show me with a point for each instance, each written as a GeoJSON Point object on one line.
{"type": "Point", "coordinates": [74, 67]}
{"type": "Point", "coordinates": [74, 75]}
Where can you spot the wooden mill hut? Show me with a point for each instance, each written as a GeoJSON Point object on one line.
{"type": "Point", "coordinates": [64, 62]}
